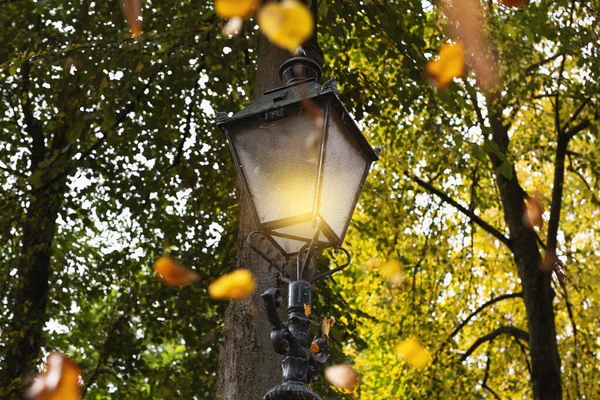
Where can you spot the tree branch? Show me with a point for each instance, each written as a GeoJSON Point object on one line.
{"type": "Point", "coordinates": [541, 63]}
{"type": "Point", "coordinates": [510, 330]}
{"type": "Point", "coordinates": [119, 119]}
{"type": "Point", "coordinates": [32, 127]}
{"type": "Point", "coordinates": [103, 355]}
{"type": "Point", "coordinates": [188, 118]}
{"type": "Point", "coordinates": [486, 376]}
{"type": "Point", "coordinates": [487, 227]}
{"type": "Point", "coordinates": [483, 307]}
{"type": "Point", "coordinates": [576, 113]}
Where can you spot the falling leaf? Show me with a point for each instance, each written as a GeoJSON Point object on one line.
{"type": "Point", "coordinates": [449, 65]}
{"type": "Point", "coordinates": [342, 376]}
{"type": "Point", "coordinates": [532, 216]}
{"type": "Point", "coordinates": [235, 8]}
{"type": "Point", "coordinates": [132, 10]}
{"type": "Point", "coordinates": [413, 352]}
{"type": "Point", "coordinates": [466, 23]}
{"type": "Point", "coordinates": [236, 285]}
{"type": "Point", "coordinates": [60, 381]}
{"type": "Point", "coordinates": [232, 27]}
{"type": "Point", "coordinates": [287, 24]}
{"type": "Point", "coordinates": [172, 273]}
{"type": "Point", "coordinates": [307, 310]}
{"type": "Point", "coordinates": [515, 3]}
{"type": "Point", "coordinates": [549, 262]}
{"type": "Point", "coordinates": [326, 325]}
{"type": "Point", "coordinates": [392, 270]}
{"type": "Point", "coordinates": [314, 348]}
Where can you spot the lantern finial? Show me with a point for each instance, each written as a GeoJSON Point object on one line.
{"type": "Point", "coordinates": [299, 69]}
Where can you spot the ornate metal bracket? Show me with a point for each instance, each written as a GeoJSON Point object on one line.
{"type": "Point", "coordinates": [300, 366]}
{"type": "Point", "coordinates": [291, 340]}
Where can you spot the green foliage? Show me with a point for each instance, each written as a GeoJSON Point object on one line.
{"type": "Point", "coordinates": [128, 125]}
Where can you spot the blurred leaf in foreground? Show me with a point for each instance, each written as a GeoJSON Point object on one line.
{"type": "Point", "coordinates": [172, 273]}
{"type": "Point", "coordinates": [236, 285]}
{"type": "Point", "coordinates": [287, 24]}
{"type": "Point", "coordinates": [413, 352]}
{"type": "Point", "coordinates": [342, 376]}
{"type": "Point", "coordinates": [132, 10]}
{"type": "Point", "coordinates": [59, 382]}
{"type": "Point", "coordinates": [450, 64]}
{"type": "Point", "coordinates": [235, 8]}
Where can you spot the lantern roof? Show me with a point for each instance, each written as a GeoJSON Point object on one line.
{"type": "Point", "coordinates": [273, 103]}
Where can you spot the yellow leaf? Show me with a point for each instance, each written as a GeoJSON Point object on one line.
{"type": "Point", "coordinates": [172, 273]}
{"type": "Point", "coordinates": [392, 270]}
{"type": "Point", "coordinates": [314, 348]}
{"type": "Point", "coordinates": [342, 376]}
{"type": "Point", "coordinates": [449, 65]}
{"type": "Point", "coordinates": [307, 310]}
{"type": "Point", "coordinates": [413, 352]}
{"type": "Point", "coordinates": [235, 8]}
{"type": "Point", "coordinates": [326, 325]}
{"type": "Point", "coordinates": [287, 24]}
{"type": "Point", "coordinates": [60, 381]}
{"type": "Point", "coordinates": [236, 285]}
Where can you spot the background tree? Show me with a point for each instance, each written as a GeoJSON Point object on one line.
{"type": "Point", "coordinates": [110, 155]}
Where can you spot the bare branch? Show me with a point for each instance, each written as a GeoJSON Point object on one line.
{"type": "Point", "coordinates": [483, 307]}
{"type": "Point", "coordinates": [486, 376]}
{"type": "Point", "coordinates": [541, 63]}
{"type": "Point", "coordinates": [510, 330]}
{"type": "Point", "coordinates": [576, 113]}
{"type": "Point", "coordinates": [487, 227]}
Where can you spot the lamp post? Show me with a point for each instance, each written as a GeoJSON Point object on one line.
{"type": "Point", "coordinates": [302, 161]}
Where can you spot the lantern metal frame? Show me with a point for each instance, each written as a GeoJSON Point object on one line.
{"type": "Point", "coordinates": [288, 101]}
{"type": "Point", "coordinates": [300, 76]}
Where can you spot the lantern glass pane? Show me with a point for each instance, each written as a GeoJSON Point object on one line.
{"type": "Point", "coordinates": [305, 230]}
{"type": "Point", "coordinates": [342, 177]}
{"type": "Point", "coordinates": [280, 163]}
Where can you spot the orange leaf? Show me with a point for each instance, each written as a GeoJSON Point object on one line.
{"type": "Point", "coordinates": [172, 273]}
{"type": "Point", "coordinates": [132, 10]}
{"type": "Point", "coordinates": [414, 353]}
{"type": "Point", "coordinates": [59, 382]}
{"type": "Point", "coordinates": [342, 376]}
{"type": "Point", "coordinates": [515, 3]}
{"type": "Point", "coordinates": [314, 348]}
{"type": "Point", "coordinates": [449, 65]}
{"type": "Point", "coordinates": [236, 285]}
{"type": "Point", "coordinates": [287, 24]}
{"type": "Point", "coordinates": [235, 8]}
{"type": "Point", "coordinates": [533, 211]}
{"type": "Point", "coordinates": [326, 325]}
{"type": "Point", "coordinates": [307, 310]}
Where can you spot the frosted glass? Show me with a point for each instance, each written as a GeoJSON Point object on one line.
{"type": "Point", "coordinates": [343, 173]}
{"type": "Point", "coordinates": [289, 246]}
{"type": "Point", "coordinates": [280, 162]}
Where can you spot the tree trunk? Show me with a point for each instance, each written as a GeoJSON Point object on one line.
{"type": "Point", "coordinates": [248, 365]}
{"type": "Point", "coordinates": [31, 294]}
{"type": "Point", "coordinates": [537, 291]}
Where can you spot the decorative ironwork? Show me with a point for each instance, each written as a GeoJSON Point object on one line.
{"type": "Point", "coordinates": [300, 366]}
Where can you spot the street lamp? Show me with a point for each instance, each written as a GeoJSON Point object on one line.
{"type": "Point", "coordinates": [302, 161]}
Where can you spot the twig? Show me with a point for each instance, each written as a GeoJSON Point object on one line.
{"type": "Point", "coordinates": [510, 330]}
{"type": "Point", "coordinates": [487, 227]}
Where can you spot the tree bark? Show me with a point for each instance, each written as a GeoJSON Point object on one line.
{"type": "Point", "coordinates": [248, 365]}
{"type": "Point", "coordinates": [536, 283]}
{"type": "Point", "coordinates": [30, 298]}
